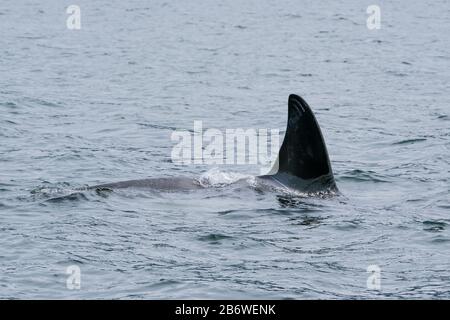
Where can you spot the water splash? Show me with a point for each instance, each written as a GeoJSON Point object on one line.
{"type": "Point", "coordinates": [217, 178]}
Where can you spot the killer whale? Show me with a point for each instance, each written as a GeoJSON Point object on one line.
{"type": "Point", "coordinates": [302, 165]}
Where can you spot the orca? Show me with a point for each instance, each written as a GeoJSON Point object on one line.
{"type": "Point", "coordinates": [302, 164]}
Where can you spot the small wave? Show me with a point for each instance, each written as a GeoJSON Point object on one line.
{"type": "Point", "coordinates": [156, 126]}
{"type": "Point", "coordinates": [50, 189]}
{"type": "Point", "coordinates": [409, 141]}
{"type": "Point", "coordinates": [30, 37]}
{"type": "Point", "coordinates": [5, 187]}
{"type": "Point", "coordinates": [75, 196]}
{"type": "Point", "coordinates": [348, 225]}
{"type": "Point", "coordinates": [308, 221]}
{"type": "Point", "coordinates": [10, 122]}
{"type": "Point", "coordinates": [434, 226]}
{"type": "Point", "coordinates": [8, 104]}
{"type": "Point", "coordinates": [361, 175]}
{"type": "Point", "coordinates": [440, 240]}
{"type": "Point", "coordinates": [293, 16]}
{"type": "Point", "coordinates": [214, 238]}
{"type": "Point", "coordinates": [290, 198]}
{"type": "Point", "coordinates": [59, 192]}
{"type": "Point", "coordinates": [396, 73]}
{"type": "Point", "coordinates": [45, 103]}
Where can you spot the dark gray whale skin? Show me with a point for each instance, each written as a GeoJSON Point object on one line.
{"type": "Point", "coordinates": [176, 183]}
{"type": "Point", "coordinates": [303, 163]}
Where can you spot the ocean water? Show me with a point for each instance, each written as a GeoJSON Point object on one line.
{"type": "Point", "coordinates": [99, 104]}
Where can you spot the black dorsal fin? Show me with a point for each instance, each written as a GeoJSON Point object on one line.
{"type": "Point", "coordinates": [303, 154]}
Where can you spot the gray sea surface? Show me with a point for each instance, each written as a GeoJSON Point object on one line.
{"type": "Point", "coordinates": [99, 105]}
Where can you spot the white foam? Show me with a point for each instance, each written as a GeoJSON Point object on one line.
{"type": "Point", "coordinates": [214, 178]}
